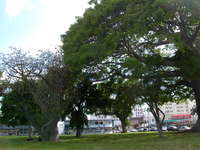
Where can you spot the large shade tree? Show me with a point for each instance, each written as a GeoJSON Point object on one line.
{"type": "Point", "coordinates": [48, 80]}
{"type": "Point", "coordinates": [52, 94]}
{"type": "Point", "coordinates": [162, 34]}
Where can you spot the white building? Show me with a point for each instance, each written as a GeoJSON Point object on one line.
{"type": "Point", "coordinates": [139, 111]}
{"type": "Point", "coordinates": [174, 112]}
{"type": "Point", "coordinates": [172, 109]}
{"type": "Point", "coordinates": [96, 124]}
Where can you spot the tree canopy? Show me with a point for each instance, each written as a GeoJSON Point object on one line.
{"type": "Point", "coordinates": [161, 34]}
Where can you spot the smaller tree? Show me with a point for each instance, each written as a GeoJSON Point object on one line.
{"type": "Point", "coordinates": [19, 108]}
{"type": "Point", "coordinates": [156, 92]}
{"type": "Point", "coordinates": [118, 103]}
{"type": "Point", "coordinates": [86, 100]}
{"type": "Point", "coordinates": [78, 119]}
{"type": "Point", "coordinates": [11, 114]}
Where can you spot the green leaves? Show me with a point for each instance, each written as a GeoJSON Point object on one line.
{"type": "Point", "coordinates": [158, 39]}
{"type": "Point", "coordinates": [18, 106]}
{"type": "Point", "coordinates": [94, 36]}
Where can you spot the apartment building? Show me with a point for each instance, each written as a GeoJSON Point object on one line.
{"type": "Point", "coordinates": [179, 113]}
{"type": "Point", "coordinates": [171, 109]}
{"type": "Point", "coordinates": [175, 113]}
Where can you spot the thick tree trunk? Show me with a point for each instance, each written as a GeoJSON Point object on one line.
{"type": "Point", "coordinates": [30, 132]}
{"type": "Point", "coordinates": [124, 125]}
{"type": "Point", "coordinates": [196, 89]}
{"type": "Point", "coordinates": [49, 131]}
{"type": "Point", "coordinates": [78, 131]}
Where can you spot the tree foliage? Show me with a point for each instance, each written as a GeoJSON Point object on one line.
{"type": "Point", "coordinates": [119, 102]}
{"type": "Point", "coordinates": [87, 99]}
{"type": "Point", "coordinates": [160, 34]}
{"type": "Point", "coordinates": [18, 107]}
{"type": "Point", "coordinates": [48, 80]}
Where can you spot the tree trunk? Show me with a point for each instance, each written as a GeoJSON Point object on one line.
{"type": "Point", "coordinates": [78, 131]}
{"type": "Point", "coordinates": [196, 89]}
{"type": "Point", "coordinates": [159, 126]}
{"type": "Point", "coordinates": [30, 132]}
{"type": "Point", "coordinates": [124, 125]}
{"type": "Point", "coordinates": [49, 131]}
{"type": "Point", "coordinates": [155, 110]}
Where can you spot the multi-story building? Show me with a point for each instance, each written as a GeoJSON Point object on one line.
{"type": "Point", "coordinates": [96, 124]}
{"type": "Point", "coordinates": [177, 108]}
{"type": "Point", "coordinates": [179, 113]}
{"type": "Point", "coordinates": [175, 113]}
{"type": "Point", "coordinates": [139, 111]}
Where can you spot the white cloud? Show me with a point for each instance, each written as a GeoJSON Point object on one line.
{"type": "Point", "coordinates": [15, 7]}
{"type": "Point", "coordinates": [56, 17]}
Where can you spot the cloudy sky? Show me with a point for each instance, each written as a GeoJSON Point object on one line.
{"type": "Point", "coordinates": [36, 24]}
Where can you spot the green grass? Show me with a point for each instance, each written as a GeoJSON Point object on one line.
{"type": "Point", "coordinates": [142, 141]}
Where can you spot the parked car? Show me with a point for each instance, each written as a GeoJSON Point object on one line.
{"type": "Point", "coordinates": [172, 128]}
{"type": "Point", "coordinates": [132, 130]}
{"type": "Point", "coordinates": [164, 128]}
{"type": "Point", "coordinates": [184, 128]}
{"type": "Point", "coordinates": [108, 132]}
{"type": "Point", "coordinates": [153, 129]}
{"type": "Point", "coordinates": [146, 129]}
{"type": "Point", "coordinates": [140, 129]}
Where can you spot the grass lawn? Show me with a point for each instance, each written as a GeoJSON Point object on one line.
{"type": "Point", "coordinates": [140, 141]}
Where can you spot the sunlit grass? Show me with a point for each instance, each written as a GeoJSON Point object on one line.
{"type": "Point", "coordinates": [141, 141]}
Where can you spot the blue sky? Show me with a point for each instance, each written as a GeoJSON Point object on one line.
{"type": "Point", "coordinates": [36, 24]}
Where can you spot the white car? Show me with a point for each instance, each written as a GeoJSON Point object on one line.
{"type": "Point", "coordinates": [164, 128]}
{"type": "Point", "coordinates": [184, 128]}
{"type": "Point", "coordinates": [133, 130]}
